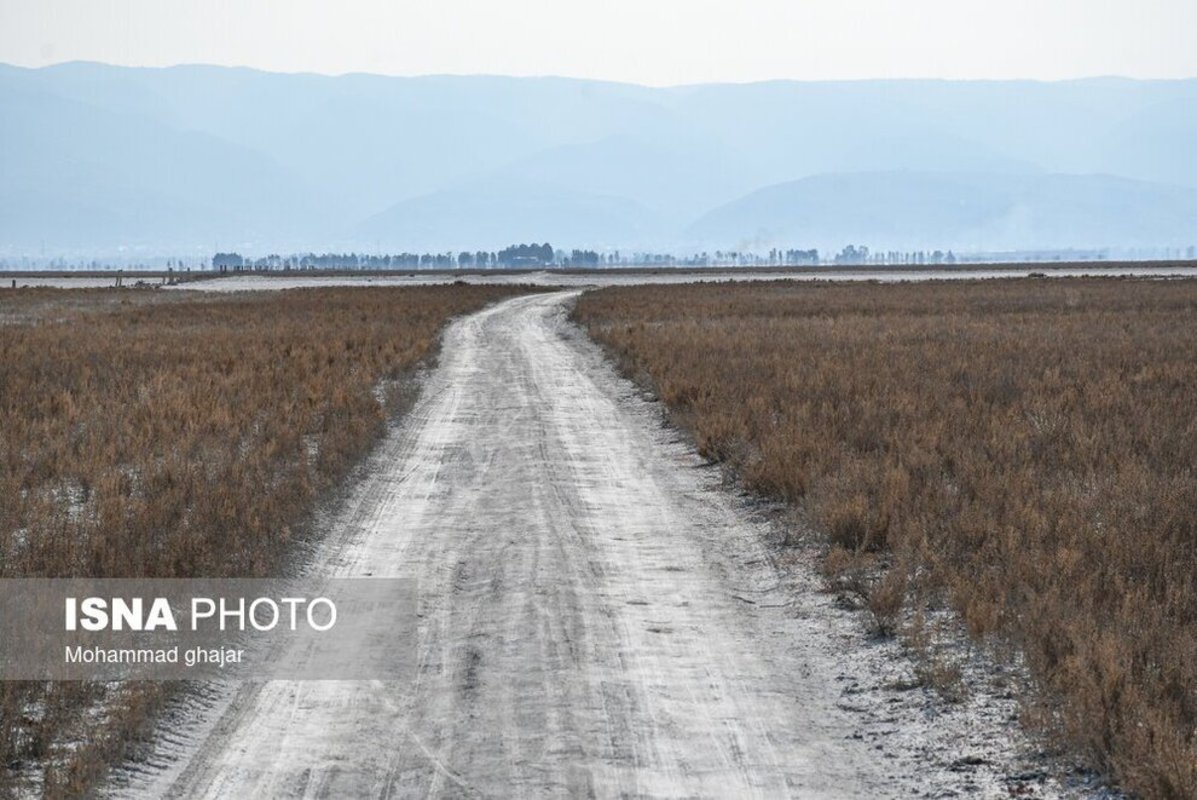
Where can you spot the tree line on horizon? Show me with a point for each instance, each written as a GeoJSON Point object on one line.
{"type": "Point", "coordinates": [513, 256]}
{"type": "Point", "coordinates": [522, 256]}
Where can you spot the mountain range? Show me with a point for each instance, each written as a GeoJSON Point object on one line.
{"type": "Point", "coordinates": [95, 158]}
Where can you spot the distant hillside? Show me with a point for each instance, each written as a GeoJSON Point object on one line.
{"type": "Point", "coordinates": [478, 214]}
{"type": "Point", "coordinates": [965, 211]}
{"type": "Point", "coordinates": [100, 157]}
{"type": "Point", "coordinates": [77, 174]}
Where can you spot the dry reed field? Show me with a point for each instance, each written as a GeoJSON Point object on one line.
{"type": "Point", "coordinates": [154, 434]}
{"type": "Point", "coordinates": [1021, 450]}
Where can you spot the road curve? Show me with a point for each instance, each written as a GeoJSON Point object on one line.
{"type": "Point", "coordinates": [596, 617]}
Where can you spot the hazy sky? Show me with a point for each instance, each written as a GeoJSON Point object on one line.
{"type": "Point", "coordinates": [657, 42]}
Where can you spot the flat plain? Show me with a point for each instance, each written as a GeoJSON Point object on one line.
{"type": "Point", "coordinates": [598, 613]}
{"type": "Point", "coordinates": [1019, 451]}
{"type": "Point", "coordinates": [158, 434]}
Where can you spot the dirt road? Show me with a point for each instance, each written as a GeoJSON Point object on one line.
{"type": "Point", "coordinates": [596, 617]}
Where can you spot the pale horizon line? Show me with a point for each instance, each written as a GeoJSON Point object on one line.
{"type": "Point", "coordinates": [564, 77]}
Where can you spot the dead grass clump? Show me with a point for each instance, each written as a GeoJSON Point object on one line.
{"type": "Point", "coordinates": [1025, 449]}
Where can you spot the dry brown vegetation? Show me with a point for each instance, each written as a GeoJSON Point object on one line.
{"type": "Point", "coordinates": [157, 434]}
{"type": "Point", "coordinates": [1022, 449]}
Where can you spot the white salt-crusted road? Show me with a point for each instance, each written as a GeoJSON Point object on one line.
{"type": "Point", "coordinates": [583, 619]}
{"type": "Point", "coordinates": [596, 617]}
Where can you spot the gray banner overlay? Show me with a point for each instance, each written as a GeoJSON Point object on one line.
{"type": "Point", "coordinates": [202, 629]}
